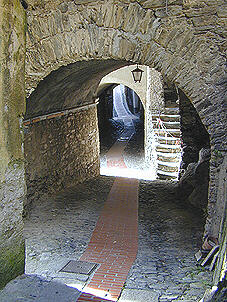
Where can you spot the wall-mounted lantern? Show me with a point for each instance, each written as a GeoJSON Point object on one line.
{"type": "Point", "coordinates": [137, 74]}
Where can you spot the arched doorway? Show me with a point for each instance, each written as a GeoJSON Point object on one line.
{"type": "Point", "coordinates": [121, 121]}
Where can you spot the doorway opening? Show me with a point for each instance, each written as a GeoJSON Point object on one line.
{"type": "Point", "coordinates": [121, 132]}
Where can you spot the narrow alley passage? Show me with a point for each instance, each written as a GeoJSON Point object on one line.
{"type": "Point", "coordinates": [140, 237]}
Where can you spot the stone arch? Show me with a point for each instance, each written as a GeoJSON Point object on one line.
{"type": "Point", "coordinates": [150, 91]}
{"type": "Point", "coordinates": [105, 94]}
{"type": "Point", "coordinates": [175, 44]}
{"type": "Point", "coordinates": [125, 83]}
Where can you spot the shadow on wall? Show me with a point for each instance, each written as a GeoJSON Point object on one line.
{"type": "Point", "coordinates": [194, 171]}
{"type": "Point", "coordinates": [61, 144]}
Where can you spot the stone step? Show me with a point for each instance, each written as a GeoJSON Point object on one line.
{"type": "Point", "coordinates": [169, 147]}
{"type": "Point", "coordinates": [167, 154]}
{"type": "Point", "coordinates": [167, 125]}
{"type": "Point", "coordinates": [167, 150]}
{"type": "Point", "coordinates": [173, 164]}
{"type": "Point", "coordinates": [171, 104]}
{"type": "Point", "coordinates": [176, 158]}
{"type": "Point", "coordinates": [171, 132]}
{"type": "Point", "coordinates": [166, 117]}
{"type": "Point", "coordinates": [172, 125]}
{"type": "Point", "coordinates": [167, 175]}
{"type": "Point", "coordinates": [172, 110]}
{"type": "Point", "coordinates": [169, 140]}
{"type": "Point", "coordinates": [166, 167]}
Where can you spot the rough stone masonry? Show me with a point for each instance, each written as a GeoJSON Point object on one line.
{"type": "Point", "coordinates": [12, 106]}
{"type": "Point", "coordinates": [61, 152]}
{"type": "Point", "coordinates": [183, 39]}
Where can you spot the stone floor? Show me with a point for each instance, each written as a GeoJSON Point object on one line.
{"type": "Point", "coordinates": [58, 229]}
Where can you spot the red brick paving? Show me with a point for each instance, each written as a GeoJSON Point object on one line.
{"type": "Point", "coordinates": [119, 163]}
{"type": "Point", "coordinates": [114, 242]}
{"type": "Point", "coordinates": [88, 297]}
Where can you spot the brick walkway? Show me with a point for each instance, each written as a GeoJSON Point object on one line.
{"type": "Point", "coordinates": [114, 242]}
{"type": "Point", "coordinates": [114, 155]}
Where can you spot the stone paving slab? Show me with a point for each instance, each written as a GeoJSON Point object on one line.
{"type": "Point", "coordinates": [169, 236]}
{"type": "Point", "coordinates": [79, 267]}
{"type": "Point", "coordinates": [135, 295]}
{"type": "Point", "coordinates": [33, 288]}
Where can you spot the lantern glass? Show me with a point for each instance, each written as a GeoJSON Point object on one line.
{"type": "Point", "coordinates": [137, 74]}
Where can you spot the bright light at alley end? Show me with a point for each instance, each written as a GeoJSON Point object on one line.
{"type": "Point", "coordinates": [137, 74]}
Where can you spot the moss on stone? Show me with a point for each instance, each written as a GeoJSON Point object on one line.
{"type": "Point", "coordinates": [18, 162]}
{"type": "Point", "coordinates": [12, 262]}
{"type": "Point", "coordinates": [12, 106]}
{"type": "Point", "coordinates": [12, 93]}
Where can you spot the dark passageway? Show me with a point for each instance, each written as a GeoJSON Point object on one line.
{"type": "Point", "coordinates": [143, 245]}
{"type": "Point", "coordinates": [141, 236]}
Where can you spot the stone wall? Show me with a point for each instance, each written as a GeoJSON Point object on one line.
{"type": "Point", "coordinates": [183, 40]}
{"type": "Point", "coordinates": [12, 105]}
{"type": "Point", "coordinates": [194, 134]}
{"type": "Point", "coordinates": [61, 152]}
{"type": "Point", "coordinates": [145, 32]}
{"type": "Point", "coordinates": [194, 168]}
{"type": "Point", "coordinates": [222, 228]}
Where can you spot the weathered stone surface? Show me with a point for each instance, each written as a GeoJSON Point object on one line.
{"type": "Point", "coordinates": [69, 87]}
{"type": "Point", "coordinates": [12, 101]}
{"type": "Point", "coordinates": [184, 40]}
{"type": "Point", "coordinates": [34, 288]}
{"type": "Point", "coordinates": [193, 133]}
{"type": "Point", "coordinates": [12, 250]}
{"type": "Point", "coordinates": [59, 227]}
{"type": "Point", "coordinates": [61, 152]}
{"type": "Point", "coordinates": [193, 185]}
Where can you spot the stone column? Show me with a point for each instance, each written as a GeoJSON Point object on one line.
{"type": "Point", "coordinates": [157, 103]}
{"type": "Point", "coordinates": [154, 105]}
{"type": "Point", "coordinates": [12, 106]}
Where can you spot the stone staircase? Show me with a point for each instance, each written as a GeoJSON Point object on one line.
{"type": "Point", "coordinates": [168, 148]}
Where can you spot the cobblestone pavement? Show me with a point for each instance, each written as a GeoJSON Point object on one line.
{"type": "Point", "coordinates": [169, 236]}
{"type": "Point", "coordinates": [58, 229]}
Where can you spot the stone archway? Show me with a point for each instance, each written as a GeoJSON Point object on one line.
{"type": "Point", "coordinates": [184, 41]}
{"type": "Point", "coordinates": [150, 91]}
{"type": "Point", "coordinates": [121, 118]}
{"type": "Point", "coordinates": [60, 34]}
